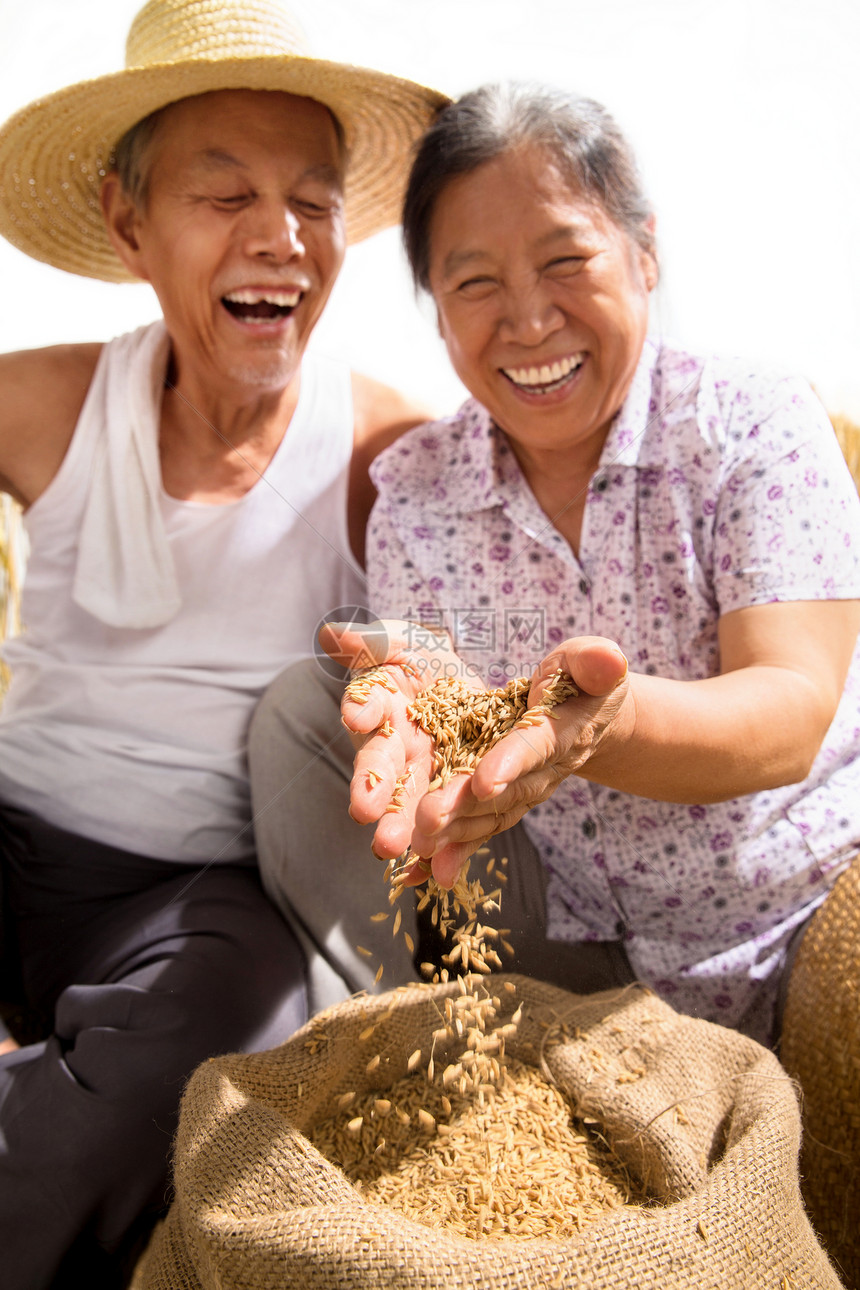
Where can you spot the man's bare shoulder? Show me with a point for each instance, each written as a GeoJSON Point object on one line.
{"type": "Point", "coordinates": [41, 395]}
{"type": "Point", "coordinates": [382, 414]}
{"type": "Point", "coordinates": [32, 380]}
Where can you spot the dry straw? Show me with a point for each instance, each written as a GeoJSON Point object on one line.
{"type": "Point", "coordinates": [848, 435]}
{"type": "Point", "coordinates": [55, 152]}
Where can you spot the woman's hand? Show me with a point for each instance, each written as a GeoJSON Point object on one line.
{"type": "Point", "coordinates": [394, 757]}
{"type": "Point", "coordinates": [527, 765]}
{"type": "Point", "coordinates": [451, 823]}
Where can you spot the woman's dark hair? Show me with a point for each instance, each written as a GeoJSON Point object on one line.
{"type": "Point", "coordinates": [581, 135]}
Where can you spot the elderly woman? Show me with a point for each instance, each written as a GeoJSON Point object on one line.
{"type": "Point", "coordinates": [678, 533]}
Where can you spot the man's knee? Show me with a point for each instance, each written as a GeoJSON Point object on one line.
{"type": "Point", "coordinates": [241, 972]}
{"type": "Point", "coordinates": [211, 967]}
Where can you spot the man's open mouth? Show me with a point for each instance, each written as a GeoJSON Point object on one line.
{"type": "Point", "coordinates": [261, 306]}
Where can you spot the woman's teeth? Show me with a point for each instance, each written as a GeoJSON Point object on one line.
{"type": "Point", "coordinates": [545, 376]}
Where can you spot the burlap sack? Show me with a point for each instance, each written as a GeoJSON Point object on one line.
{"type": "Point", "coordinates": [821, 1049]}
{"type": "Point", "coordinates": [257, 1206]}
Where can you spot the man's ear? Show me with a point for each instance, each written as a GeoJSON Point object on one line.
{"type": "Point", "coordinates": [121, 218]}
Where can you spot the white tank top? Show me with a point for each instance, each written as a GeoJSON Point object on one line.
{"type": "Point", "coordinates": [137, 737]}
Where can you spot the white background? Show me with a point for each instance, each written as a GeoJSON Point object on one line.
{"type": "Point", "coordinates": [745, 115]}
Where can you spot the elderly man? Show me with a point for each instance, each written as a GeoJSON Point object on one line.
{"type": "Point", "coordinates": [195, 495]}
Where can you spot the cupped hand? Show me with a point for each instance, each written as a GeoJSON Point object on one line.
{"type": "Point", "coordinates": [394, 763]}
{"type": "Point", "coordinates": [392, 662]}
{"type": "Point", "coordinates": [527, 765]}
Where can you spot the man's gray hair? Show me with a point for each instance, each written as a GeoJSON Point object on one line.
{"type": "Point", "coordinates": [579, 133]}
{"type": "Point", "coordinates": [132, 158]}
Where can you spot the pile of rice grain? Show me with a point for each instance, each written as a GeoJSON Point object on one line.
{"type": "Point", "coordinates": [512, 1164]}
{"type": "Point", "coordinates": [464, 723]}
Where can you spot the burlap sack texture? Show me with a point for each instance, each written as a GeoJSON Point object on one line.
{"type": "Point", "coordinates": [257, 1206]}
{"type": "Point", "coordinates": [821, 1049]}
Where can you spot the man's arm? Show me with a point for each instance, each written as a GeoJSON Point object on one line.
{"type": "Point", "coordinates": [41, 395]}
{"type": "Point", "coordinates": [381, 416]}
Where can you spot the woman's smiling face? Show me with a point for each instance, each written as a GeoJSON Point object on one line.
{"type": "Point", "coordinates": [542, 300]}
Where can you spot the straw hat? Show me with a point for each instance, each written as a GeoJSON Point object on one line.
{"type": "Point", "coordinates": [54, 153]}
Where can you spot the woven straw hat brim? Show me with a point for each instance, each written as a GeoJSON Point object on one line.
{"type": "Point", "coordinates": [55, 152]}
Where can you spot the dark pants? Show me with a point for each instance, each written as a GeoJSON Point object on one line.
{"type": "Point", "coordinates": [145, 969]}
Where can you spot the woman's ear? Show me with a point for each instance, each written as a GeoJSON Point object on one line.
{"type": "Point", "coordinates": [122, 218]}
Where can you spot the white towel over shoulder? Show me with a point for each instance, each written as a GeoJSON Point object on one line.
{"type": "Point", "coordinates": [125, 574]}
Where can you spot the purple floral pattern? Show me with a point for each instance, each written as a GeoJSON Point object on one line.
{"type": "Point", "coordinates": [718, 488]}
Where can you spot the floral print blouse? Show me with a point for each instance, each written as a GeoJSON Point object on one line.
{"type": "Point", "coordinates": [718, 487]}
